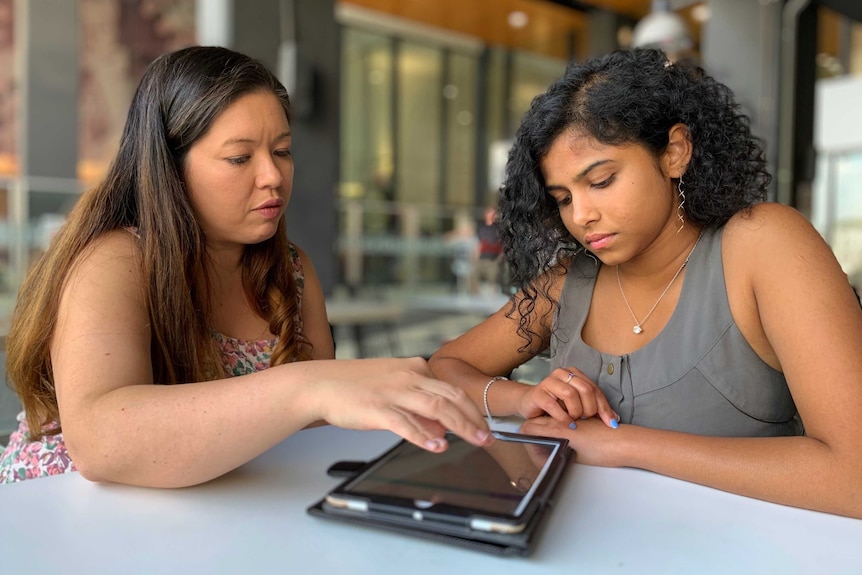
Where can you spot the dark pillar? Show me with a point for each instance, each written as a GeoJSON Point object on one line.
{"type": "Point", "coordinates": [803, 126]}
{"type": "Point", "coordinates": [602, 32]}
{"type": "Point", "coordinates": [312, 218]}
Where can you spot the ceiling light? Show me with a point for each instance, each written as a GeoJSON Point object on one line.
{"type": "Point", "coordinates": [700, 13]}
{"type": "Point", "coordinates": [518, 19]}
{"type": "Point", "coordinates": [662, 29]}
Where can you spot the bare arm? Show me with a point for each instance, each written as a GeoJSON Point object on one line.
{"type": "Point", "coordinates": [811, 326]}
{"type": "Point", "coordinates": [120, 427]}
{"type": "Point", "coordinates": [494, 348]}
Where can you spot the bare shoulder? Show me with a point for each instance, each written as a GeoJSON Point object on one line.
{"type": "Point", "coordinates": [116, 245]}
{"type": "Point", "coordinates": [770, 233]}
{"type": "Point", "coordinates": [780, 273]}
{"type": "Point", "coordinates": [768, 222]}
{"type": "Point", "coordinates": [111, 260]}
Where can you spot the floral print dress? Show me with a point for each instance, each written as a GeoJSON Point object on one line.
{"type": "Point", "coordinates": [24, 459]}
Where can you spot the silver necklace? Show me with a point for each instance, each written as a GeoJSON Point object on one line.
{"type": "Point", "coordinates": [638, 328]}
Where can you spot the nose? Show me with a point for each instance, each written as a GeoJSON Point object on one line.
{"type": "Point", "coordinates": [583, 211]}
{"type": "Point", "coordinates": [268, 174]}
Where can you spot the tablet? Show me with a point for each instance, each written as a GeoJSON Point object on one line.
{"type": "Point", "coordinates": [492, 494]}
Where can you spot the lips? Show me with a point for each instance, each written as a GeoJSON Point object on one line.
{"type": "Point", "coordinates": [273, 203]}
{"type": "Point", "coordinates": [598, 241]}
{"type": "Point", "coordinates": [270, 209]}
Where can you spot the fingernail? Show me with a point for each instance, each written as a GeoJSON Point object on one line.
{"type": "Point", "coordinates": [572, 425]}
{"type": "Point", "coordinates": [435, 444]}
{"type": "Point", "coordinates": [483, 435]}
{"type": "Point", "coordinates": [615, 424]}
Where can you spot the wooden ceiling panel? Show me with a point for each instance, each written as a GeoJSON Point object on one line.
{"type": "Point", "coordinates": [550, 29]}
{"type": "Point", "coordinates": [635, 9]}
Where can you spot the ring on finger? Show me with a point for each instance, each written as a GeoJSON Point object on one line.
{"type": "Point", "coordinates": [570, 377]}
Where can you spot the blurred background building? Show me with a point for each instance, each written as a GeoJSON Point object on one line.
{"type": "Point", "coordinates": [403, 114]}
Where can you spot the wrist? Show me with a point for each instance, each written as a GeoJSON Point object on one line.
{"type": "Point", "coordinates": [505, 397]}
{"type": "Point", "coordinates": [487, 390]}
{"type": "Point", "coordinates": [624, 446]}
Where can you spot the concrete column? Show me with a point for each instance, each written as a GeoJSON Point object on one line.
{"type": "Point", "coordinates": [740, 47]}
{"type": "Point", "coordinates": [214, 22]}
{"type": "Point", "coordinates": [47, 45]}
{"type": "Point", "coordinates": [47, 64]}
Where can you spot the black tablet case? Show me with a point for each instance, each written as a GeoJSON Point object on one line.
{"type": "Point", "coordinates": [515, 544]}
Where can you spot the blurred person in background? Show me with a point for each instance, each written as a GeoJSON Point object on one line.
{"type": "Point", "coordinates": [463, 245]}
{"type": "Point", "coordinates": [171, 332]}
{"type": "Point", "coordinates": [489, 261]}
{"type": "Point", "coordinates": [695, 330]}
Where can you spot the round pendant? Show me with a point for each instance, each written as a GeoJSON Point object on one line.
{"type": "Point", "coordinates": [638, 330]}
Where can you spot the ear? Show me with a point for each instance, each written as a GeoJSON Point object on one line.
{"type": "Point", "coordinates": [676, 157]}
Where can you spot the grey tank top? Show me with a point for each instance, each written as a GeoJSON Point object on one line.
{"type": "Point", "coordinates": [699, 375]}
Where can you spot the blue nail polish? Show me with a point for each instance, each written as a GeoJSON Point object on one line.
{"type": "Point", "coordinates": [615, 424]}
{"type": "Point", "coordinates": [572, 425]}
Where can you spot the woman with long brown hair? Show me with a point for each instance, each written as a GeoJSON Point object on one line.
{"type": "Point", "coordinates": [166, 335]}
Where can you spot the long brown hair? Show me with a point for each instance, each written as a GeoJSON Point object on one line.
{"type": "Point", "coordinates": [176, 102]}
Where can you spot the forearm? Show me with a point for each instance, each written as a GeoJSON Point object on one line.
{"type": "Point", "coordinates": [503, 395]}
{"type": "Point", "coordinates": [797, 471]}
{"type": "Point", "coordinates": [179, 435]}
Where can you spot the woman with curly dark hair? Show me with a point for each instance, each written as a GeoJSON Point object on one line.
{"type": "Point", "coordinates": [171, 332]}
{"type": "Point", "coordinates": [693, 327]}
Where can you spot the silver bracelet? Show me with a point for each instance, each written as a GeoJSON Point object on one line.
{"type": "Point", "coordinates": [485, 396]}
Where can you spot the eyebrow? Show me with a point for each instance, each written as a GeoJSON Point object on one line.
{"type": "Point", "coordinates": [282, 136]}
{"type": "Point", "coordinates": [580, 176]}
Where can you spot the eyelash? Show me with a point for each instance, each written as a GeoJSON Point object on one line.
{"type": "Point", "coordinates": [567, 199]}
{"type": "Point", "coordinates": [240, 160]}
{"type": "Point", "coordinates": [604, 183]}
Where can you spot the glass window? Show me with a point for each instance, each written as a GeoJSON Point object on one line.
{"type": "Point", "coordinates": [8, 162]}
{"type": "Point", "coordinates": [418, 172]}
{"type": "Point", "coordinates": [836, 206]}
{"type": "Point", "coordinates": [460, 98]}
{"type": "Point", "coordinates": [367, 219]}
{"type": "Point", "coordinates": [838, 213]}
{"type": "Point", "coordinates": [410, 135]}
{"type": "Point", "coordinates": [531, 75]}
{"type": "Point", "coordinates": [367, 158]}
{"type": "Point", "coordinates": [420, 108]}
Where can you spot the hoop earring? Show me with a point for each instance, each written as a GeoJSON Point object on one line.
{"type": "Point", "coordinates": [680, 213]}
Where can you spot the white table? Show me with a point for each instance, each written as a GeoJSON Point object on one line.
{"type": "Point", "coordinates": [253, 520]}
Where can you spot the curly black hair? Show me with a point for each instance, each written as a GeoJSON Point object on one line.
{"type": "Point", "coordinates": [624, 97]}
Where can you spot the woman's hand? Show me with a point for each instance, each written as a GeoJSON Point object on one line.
{"type": "Point", "coordinates": [402, 396]}
{"type": "Point", "coordinates": [593, 441]}
{"type": "Point", "coordinates": [567, 395]}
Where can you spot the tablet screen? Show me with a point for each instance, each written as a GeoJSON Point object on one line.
{"type": "Point", "coordinates": [499, 479]}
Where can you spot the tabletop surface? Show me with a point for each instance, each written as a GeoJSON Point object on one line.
{"type": "Point", "coordinates": [254, 520]}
